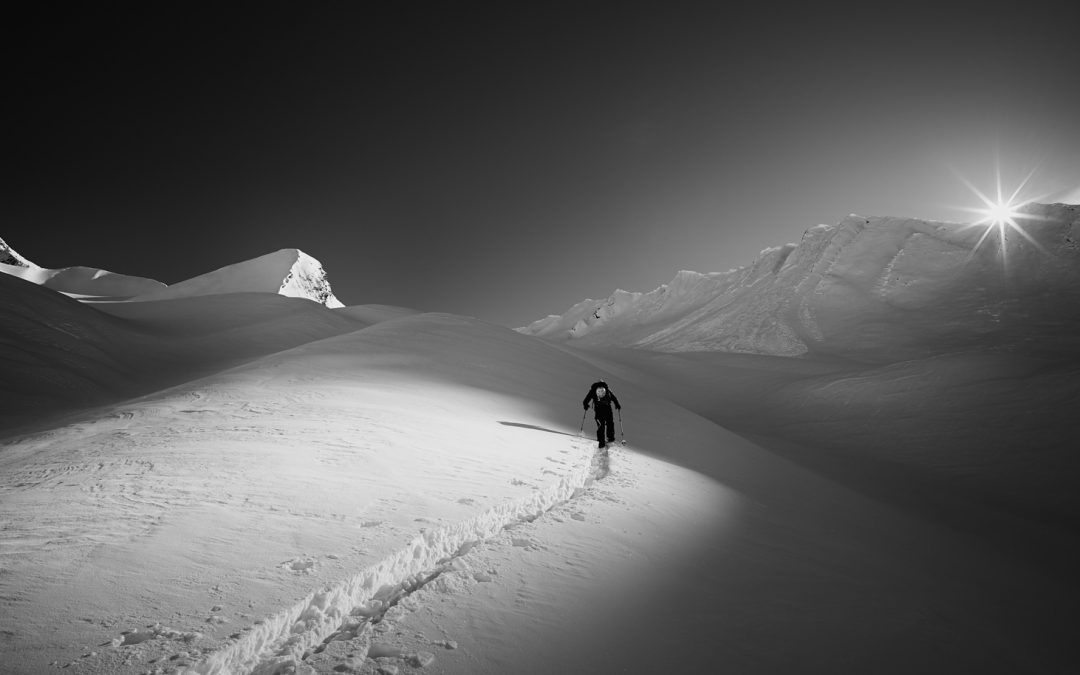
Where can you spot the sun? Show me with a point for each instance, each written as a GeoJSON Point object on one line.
{"type": "Point", "coordinates": [1002, 215]}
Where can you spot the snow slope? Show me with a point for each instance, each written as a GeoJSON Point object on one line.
{"type": "Point", "coordinates": [933, 436]}
{"type": "Point", "coordinates": [872, 288]}
{"type": "Point", "coordinates": [82, 282]}
{"type": "Point", "coordinates": [413, 491]}
{"type": "Point", "coordinates": [210, 488]}
{"type": "Point", "coordinates": [250, 483]}
{"type": "Point", "coordinates": [289, 272]}
{"type": "Point", "coordinates": [61, 354]}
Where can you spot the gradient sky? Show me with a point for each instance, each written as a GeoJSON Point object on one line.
{"type": "Point", "coordinates": [508, 163]}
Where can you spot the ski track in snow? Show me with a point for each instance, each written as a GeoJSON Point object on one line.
{"type": "Point", "coordinates": [339, 616]}
{"type": "Point", "coordinates": [100, 464]}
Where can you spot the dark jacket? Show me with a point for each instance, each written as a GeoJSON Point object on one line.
{"type": "Point", "coordinates": [604, 403]}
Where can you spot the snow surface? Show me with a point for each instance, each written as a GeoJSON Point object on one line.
{"type": "Point", "coordinates": [330, 474]}
{"type": "Point", "coordinates": [250, 483]}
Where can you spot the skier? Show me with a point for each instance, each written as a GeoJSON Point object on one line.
{"type": "Point", "coordinates": [604, 398]}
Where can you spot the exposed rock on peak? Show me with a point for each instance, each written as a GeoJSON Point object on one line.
{"type": "Point", "coordinates": [9, 256]}
{"type": "Point", "coordinates": [307, 279]}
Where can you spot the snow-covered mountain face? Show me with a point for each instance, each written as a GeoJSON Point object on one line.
{"type": "Point", "coordinates": [307, 279]}
{"type": "Point", "coordinates": [83, 283]}
{"type": "Point", "coordinates": [873, 288]}
{"type": "Point", "coordinates": [289, 272]}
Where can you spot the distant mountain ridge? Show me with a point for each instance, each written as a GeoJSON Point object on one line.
{"type": "Point", "coordinates": [879, 288]}
{"type": "Point", "coordinates": [289, 272]}
{"type": "Point", "coordinates": [78, 282]}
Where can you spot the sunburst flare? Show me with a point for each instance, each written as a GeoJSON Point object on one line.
{"type": "Point", "coordinates": [1002, 215]}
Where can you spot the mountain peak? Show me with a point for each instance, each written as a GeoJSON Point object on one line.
{"type": "Point", "coordinates": [9, 256]}
{"type": "Point", "coordinates": [288, 271]}
{"type": "Point", "coordinates": [308, 279]}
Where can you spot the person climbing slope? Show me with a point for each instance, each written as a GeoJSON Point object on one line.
{"type": "Point", "coordinates": [603, 398]}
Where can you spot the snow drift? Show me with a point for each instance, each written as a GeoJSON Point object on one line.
{"type": "Point", "coordinates": [872, 288]}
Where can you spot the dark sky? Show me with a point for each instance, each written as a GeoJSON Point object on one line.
{"type": "Point", "coordinates": [507, 163]}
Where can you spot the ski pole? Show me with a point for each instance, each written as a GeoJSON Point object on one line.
{"type": "Point", "coordinates": [581, 431]}
{"type": "Point", "coordinates": [621, 431]}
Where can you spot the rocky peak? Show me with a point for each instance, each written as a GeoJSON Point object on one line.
{"type": "Point", "coordinates": [9, 256]}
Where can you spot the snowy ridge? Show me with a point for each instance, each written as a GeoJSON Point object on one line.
{"type": "Point", "coordinates": [844, 289]}
{"type": "Point", "coordinates": [289, 272]}
{"type": "Point", "coordinates": [82, 283]}
{"type": "Point", "coordinates": [284, 638]}
{"type": "Point", "coordinates": [628, 310]}
{"type": "Point", "coordinates": [9, 256]}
